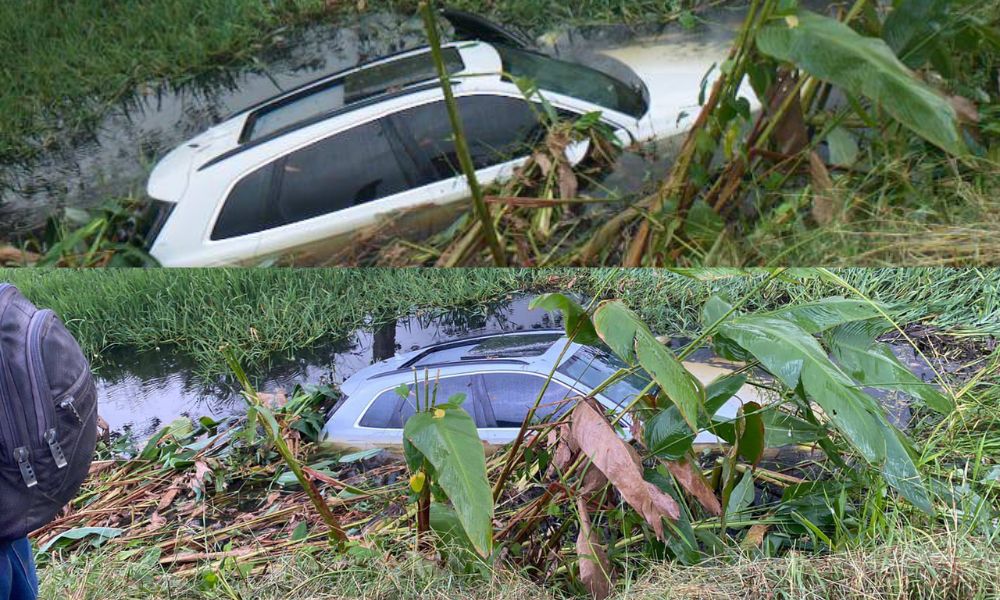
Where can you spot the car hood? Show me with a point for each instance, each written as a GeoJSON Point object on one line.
{"type": "Point", "coordinates": [674, 75]}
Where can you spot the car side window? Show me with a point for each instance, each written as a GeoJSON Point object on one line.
{"type": "Point", "coordinates": [497, 128]}
{"type": "Point", "coordinates": [390, 410]}
{"type": "Point", "coordinates": [344, 170]}
{"type": "Point", "coordinates": [245, 208]}
{"type": "Point", "coordinates": [511, 395]}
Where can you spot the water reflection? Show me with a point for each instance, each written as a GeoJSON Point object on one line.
{"type": "Point", "coordinates": [138, 393]}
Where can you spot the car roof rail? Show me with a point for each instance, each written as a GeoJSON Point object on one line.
{"type": "Point", "coordinates": [320, 118]}
{"type": "Point", "coordinates": [464, 363]}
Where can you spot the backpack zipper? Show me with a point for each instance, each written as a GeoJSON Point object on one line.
{"type": "Point", "coordinates": [41, 394]}
{"type": "Point", "coordinates": [12, 429]}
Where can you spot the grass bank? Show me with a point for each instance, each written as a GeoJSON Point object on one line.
{"type": "Point", "coordinates": [64, 63]}
{"type": "Point", "coordinates": [948, 567]}
{"type": "Point", "coordinates": [261, 312]}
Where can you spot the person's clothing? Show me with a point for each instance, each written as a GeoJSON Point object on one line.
{"type": "Point", "coordinates": [17, 571]}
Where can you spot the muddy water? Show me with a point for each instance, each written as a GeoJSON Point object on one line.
{"type": "Point", "coordinates": [115, 160]}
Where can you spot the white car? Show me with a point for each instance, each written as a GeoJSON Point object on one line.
{"type": "Point", "coordinates": [306, 170]}
{"type": "Point", "coordinates": [501, 376]}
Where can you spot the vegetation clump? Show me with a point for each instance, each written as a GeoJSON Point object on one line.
{"type": "Point", "coordinates": [813, 478]}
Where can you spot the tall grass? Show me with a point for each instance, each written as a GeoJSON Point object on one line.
{"type": "Point", "coordinates": [943, 567]}
{"type": "Point", "coordinates": [261, 312]}
{"type": "Point", "coordinates": [255, 312]}
{"type": "Point", "coordinates": [63, 62]}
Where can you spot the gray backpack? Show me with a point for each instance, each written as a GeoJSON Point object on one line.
{"type": "Point", "coordinates": [48, 415]}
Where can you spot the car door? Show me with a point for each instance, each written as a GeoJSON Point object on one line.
{"type": "Point", "coordinates": [509, 396]}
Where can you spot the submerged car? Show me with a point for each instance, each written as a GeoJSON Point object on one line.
{"type": "Point", "coordinates": [311, 167]}
{"type": "Point", "coordinates": [501, 376]}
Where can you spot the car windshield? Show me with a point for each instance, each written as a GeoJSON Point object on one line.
{"type": "Point", "coordinates": [368, 82]}
{"type": "Point", "coordinates": [592, 366]}
{"type": "Point", "coordinates": [573, 80]}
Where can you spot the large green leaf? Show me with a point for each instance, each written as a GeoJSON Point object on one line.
{"type": "Point", "coordinates": [820, 315]}
{"type": "Point", "coordinates": [447, 437]}
{"type": "Point", "coordinates": [578, 324]}
{"type": "Point", "coordinates": [833, 52]}
{"type": "Point", "coordinates": [794, 356]}
{"type": "Point", "coordinates": [872, 363]}
{"type": "Point", "coordinates": [633, 342]}
{"type": "Point", "coordinates": [97, 535]}
{"type": "Point", "coordinates": [668, 436]}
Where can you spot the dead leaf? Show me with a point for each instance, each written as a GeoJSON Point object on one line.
{"type": "Point", "coordinates": [544, 162]}
{"type": "Point", "coordinates": [693, 482]}
{"type": "Point", "coordinates": [620, 463]}
{"type": "Point", "coordinates": [755, 536]}
{"type": "Point", "coordinates": [826, 204]}
{"type": "Point", "coordinates": [595, 568]}
{"type": "Point", "coordinates": [273, 400]}
{"type": "Point", "coordinates": [790, 133]}
{"type": "Point", "coordinates": [168, 497]}
{"type": "Point", "coordinates": [156, 521]}
{"type": "Point", "coordinates": [11, 255]}
{"type": "Point", "coordinates": [568, 183]}
{"type": "Point", "coordinates": [197, 483]}
{"type": "Point", "coordinates": [966, 109]}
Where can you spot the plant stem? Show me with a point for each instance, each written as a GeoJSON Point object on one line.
{"type": "Point", "coordinates": [461, 147]}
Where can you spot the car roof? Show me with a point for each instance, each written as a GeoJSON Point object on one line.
{"type": "Point", "coordinates": [231, 137]}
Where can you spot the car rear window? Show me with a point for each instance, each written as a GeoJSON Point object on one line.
{"type": "Point", "coordinates": [366, 83]}
{"type": "Point", "coordinates": [573, 80]}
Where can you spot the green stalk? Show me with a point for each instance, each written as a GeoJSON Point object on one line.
{"type": "Point", "coordinates": [461, 147]}
{"type": "Point", "coordinates": [274, 432]}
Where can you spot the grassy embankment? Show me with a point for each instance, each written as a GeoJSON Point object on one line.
{"type": "Point", "coordinates": [261, 312]}
{"type": "Point", "coordinates": [65, 63]}
{"type": "Point", "coordinates": [891, 551]}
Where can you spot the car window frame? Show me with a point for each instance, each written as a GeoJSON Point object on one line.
{"type": "Point", "coordinates": [419, 98]}
{"type": "Point", "coordinates": [356, 419]}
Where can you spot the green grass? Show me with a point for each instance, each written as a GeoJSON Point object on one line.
{"type": "Point", "coordinates": [262, 312]}
{"type": "Point", "coordinates": [945, 567]}
{"type": "Point", "coordinates": [65, 63]}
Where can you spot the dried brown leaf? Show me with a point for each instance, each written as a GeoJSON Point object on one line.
{"type": "Point", "coordinates": [544, 162]}
{"type": "Point", "coordinates": [966, 109]}
{"type": "Point", "coordinates": [694, 483]}
{"type": "Point", "coordinates": [620, 463]}
{"type": "Point", "coordinates": [197, 483]}
{"type": "Point", "coordinates": [826, 204]}
{"type": "Point", "coordinates": [11, 255]}
{"type": "Point", "coordinates": [755, 536]}
{"type": "Point", "coordinates": [273, 400]}
{"type": "Point", "coordinates": [790, 133]}
{"type": "Point", "coordinates": [595, 568]}
{"type": "Point", "coordinates": [168, 497]}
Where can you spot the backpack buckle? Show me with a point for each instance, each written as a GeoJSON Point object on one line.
{"type": "Point", "coordinates": [21, 455]}
{"type": "Point", "coordinates": [57, 452]}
